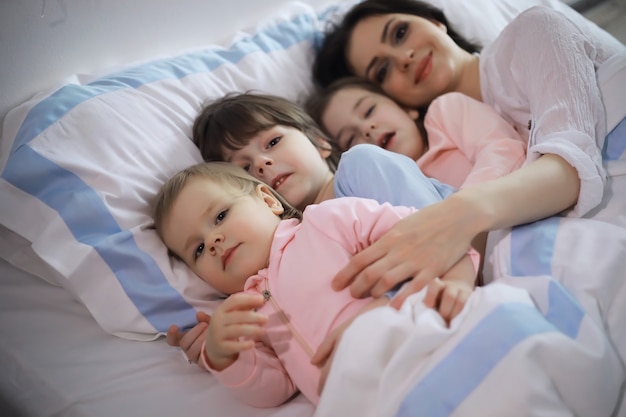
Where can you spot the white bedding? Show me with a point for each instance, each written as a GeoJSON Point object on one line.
{"type": "Point", "coordinates": [545, 336]}
{"type": "Point", "coordinates": [57, 356]}
{"type": "Point", "coordinates": [56, 361]}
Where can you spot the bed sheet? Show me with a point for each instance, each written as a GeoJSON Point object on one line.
{"type": "Point", "coordinates": [549, 322]}
{"type": "Point", "coordinates": [56, 361]}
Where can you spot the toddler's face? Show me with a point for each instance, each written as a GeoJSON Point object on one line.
{"type": "Point", "coordinates": [355, 115]}
{"type": "Point", "coordinates": [223, 235]}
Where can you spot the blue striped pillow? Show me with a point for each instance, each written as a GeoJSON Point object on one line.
{"type": "Point", "coordinates": [78, 176]}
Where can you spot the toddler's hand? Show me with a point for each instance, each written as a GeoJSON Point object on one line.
{"type": "Point", "coordinates": [447, 297]}
{"type": "Point", "coordinates": [190, 342]}
{"type": "Point", "coordinates": [233, 328]}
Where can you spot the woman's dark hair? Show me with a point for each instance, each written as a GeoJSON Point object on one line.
{"type": "Point", "coordinates": [331, 62]}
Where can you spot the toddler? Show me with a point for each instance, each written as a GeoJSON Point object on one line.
{"type": "Point", "coordinates": [245, 240]}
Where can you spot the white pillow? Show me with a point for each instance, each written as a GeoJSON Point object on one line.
{"type": "Point", "coordinates": [80, 165]}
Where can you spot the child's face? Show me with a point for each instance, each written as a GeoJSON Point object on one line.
{"type": "Point", "coordinates": [355, 115]}
{"type": "Point", "coordinates": [222, 235]}
{"type": "Point", "coordinates": [285, 159]}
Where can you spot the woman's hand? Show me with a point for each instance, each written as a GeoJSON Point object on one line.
{"type": "Point", "coordinates": [190, 342]}
{"type": "Point", "coordinates": [423, 246]}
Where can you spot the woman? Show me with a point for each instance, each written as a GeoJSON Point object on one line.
{"type": "Point", "coordinates": [540, 75]}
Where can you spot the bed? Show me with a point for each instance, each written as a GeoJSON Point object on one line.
{"type": "Point", "coordinates": [97, 115]}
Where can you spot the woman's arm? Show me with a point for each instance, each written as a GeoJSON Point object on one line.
{"type": "Point", "coordinates": [429, 242]}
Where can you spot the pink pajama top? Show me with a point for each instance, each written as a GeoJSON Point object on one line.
{"type": "Point", "coordinates": [469, 142]}
{"type": "Point", "coordinates": [301, 306]}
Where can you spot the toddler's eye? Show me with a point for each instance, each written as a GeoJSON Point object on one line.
{"type": "Point", "coordinates": [246, 167]}
{"type": "Point", "coordinates": [198, 251]}
{"type": "Point", "coordinates": [221, 216]}
{"type": "Point", "coordinates": [369, 111]}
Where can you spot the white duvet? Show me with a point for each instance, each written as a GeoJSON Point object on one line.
{"type": "Point", "coordinates": [544, 338]}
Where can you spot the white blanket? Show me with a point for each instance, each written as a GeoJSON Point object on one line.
{"type": "Point", "coordinates": [523, 345]}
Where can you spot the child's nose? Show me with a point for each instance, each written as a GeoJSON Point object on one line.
{"type": "Point", "coordinates": [262, 164]}
{"type": "Point", "coordinates": [214, 242]}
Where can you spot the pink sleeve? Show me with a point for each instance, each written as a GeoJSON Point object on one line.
{"type": "Point", "coordinates": [490, 143]}
{"type": "Point", "coordinates": [257, 377]}
{"type": "Point", "coordinates": [359, 222]}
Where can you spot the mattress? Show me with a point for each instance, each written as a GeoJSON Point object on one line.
{"type": "Point", "coordinates": [56, 361]}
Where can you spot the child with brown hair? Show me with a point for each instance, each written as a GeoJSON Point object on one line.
{"type": "Point", "coordinates": [458, 140]}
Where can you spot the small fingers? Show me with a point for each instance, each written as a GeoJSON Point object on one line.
{"type": "Point", "coordinates": [433, 293]}
{"type": "Point", "coordinates": [203, 317]}
{"type": "Point", "coordinates": [411, 287]}
{"type": "Point", "coordinates": [242, 301]}
{"type": "Point", "coordinates": [173, 336]}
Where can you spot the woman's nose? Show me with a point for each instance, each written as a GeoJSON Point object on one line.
{"type": "Point", "coordinates": [405, 58]}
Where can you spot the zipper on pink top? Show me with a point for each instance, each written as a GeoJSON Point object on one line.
{"type": "Point", "coordinates": [268, 297]}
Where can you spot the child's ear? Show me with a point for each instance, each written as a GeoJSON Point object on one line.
{"type": "Point", "coordinates": [413, 114]}
{"type": "Point", "coordinates": [265, 193]}
{"type": "Point", "coordinates": [324, 148]}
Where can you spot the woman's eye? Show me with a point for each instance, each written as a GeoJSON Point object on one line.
{"type": "Point", "coordinates": [400, 33]}
{"type": "Point", "coordinates": [381, 74]}
{"type": "Point", "coordinates": [198, 251]}
{"type": "Point", "coordinates": [221, 216]}
{"type": "Point", "coordinates": [273, 142]}
{"type": "Point", "coordinates": [369, 111]}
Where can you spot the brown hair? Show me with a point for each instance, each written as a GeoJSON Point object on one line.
{"type": "Point", "coordinates": [318, 101]}
{"type": "Point", "coordinates": [230, 122]}
{"type": "Point", "coordinates": [331, 62]}
{"type": "Point", "coordinates": [220, 172]}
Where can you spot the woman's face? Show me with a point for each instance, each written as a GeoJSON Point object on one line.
{"type": "Point", "coordinates": [356, 115]}
{"type": "Point", "coordinates": [412, 58]}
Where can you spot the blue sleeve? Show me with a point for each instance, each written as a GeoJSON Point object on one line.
{"type": "Point", "coordinates": [372, 172]}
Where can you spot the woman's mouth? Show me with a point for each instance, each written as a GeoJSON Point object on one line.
{"type": "Point", "coordinates": [423, 68]}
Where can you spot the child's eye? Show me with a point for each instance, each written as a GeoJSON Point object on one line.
{"type": "Point", "coordinates": [198, 251]}
{"type": "Point", "coordinates": [221, 216]}
{"type": "Point", "coordinates": [369, 111]}
{"type": "Point", "coordinates": [273, 142]}
{"type": "Point", "coordinates": [381, 73]}
{"type": "Point", "coordinates": [246, 167]}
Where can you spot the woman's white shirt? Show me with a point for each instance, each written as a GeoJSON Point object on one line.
{"type": "Point", "coordinates": [540, 75]}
